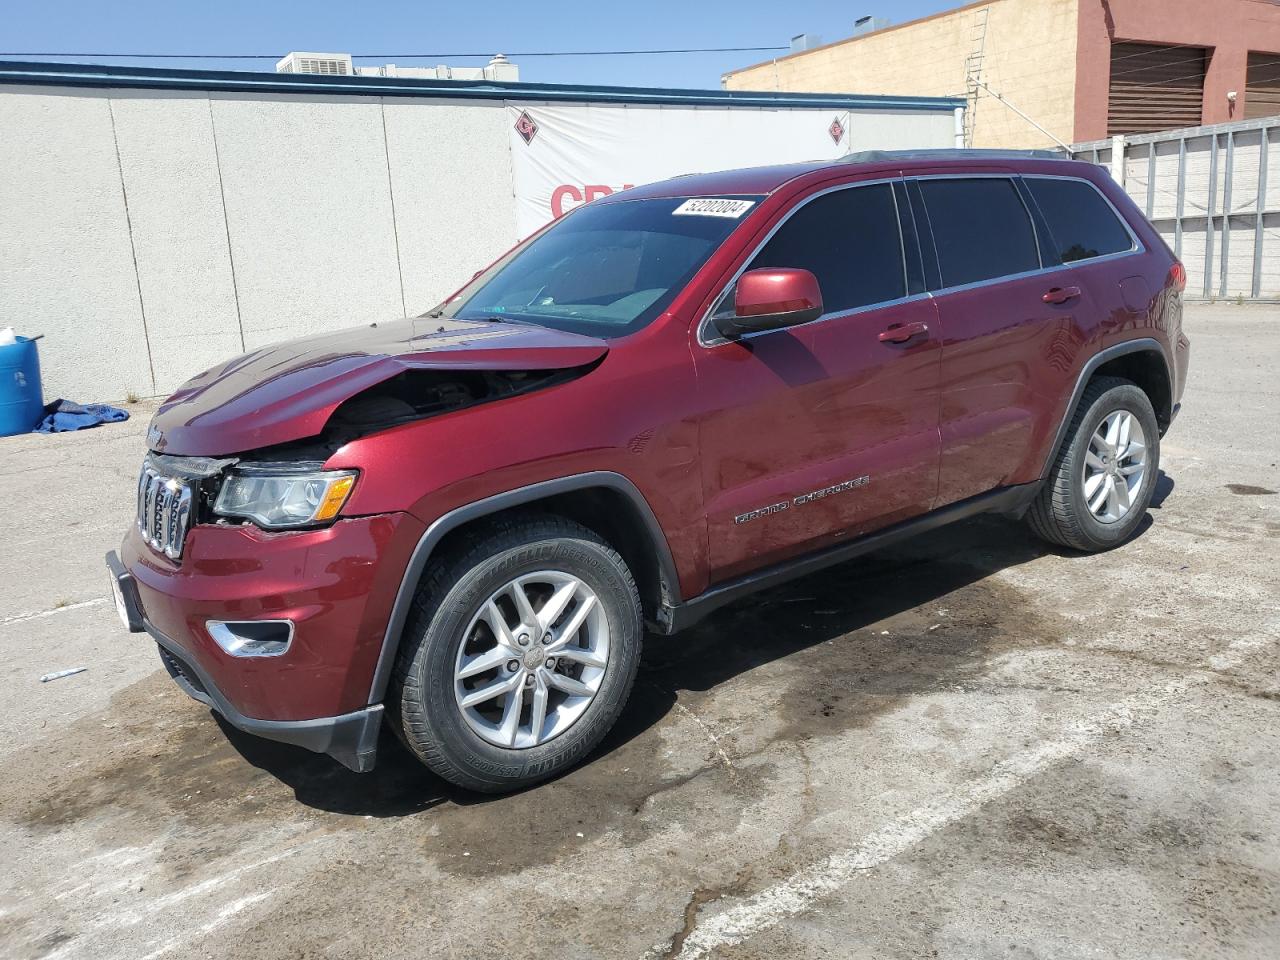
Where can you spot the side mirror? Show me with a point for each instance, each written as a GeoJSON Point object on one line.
{"type": "Point", "coordinates": [771, 298]}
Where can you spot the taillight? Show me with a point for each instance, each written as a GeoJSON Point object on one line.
{"type": "Point", "coordinates": [1178, 276]}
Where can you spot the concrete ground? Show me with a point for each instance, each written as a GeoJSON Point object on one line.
{"type": "Point", "coordinates": [970, 746]}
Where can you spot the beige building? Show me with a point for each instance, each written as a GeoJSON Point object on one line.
{"type": "Point", "coordinates": [1040, 71]}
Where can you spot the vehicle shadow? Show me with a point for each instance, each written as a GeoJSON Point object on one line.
{"type": "Point", "coordinates": [1164, 487]}
{"type": "Point", "coordinates": [748, 635]}
{"type": "Point", "coordinates": [398, 786]}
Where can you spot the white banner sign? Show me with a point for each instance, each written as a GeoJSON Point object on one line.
{"type": "Point", "coordinates": [564, 155]}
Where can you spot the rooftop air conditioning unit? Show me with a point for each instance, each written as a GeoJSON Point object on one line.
{"type": "Point", "coordinates": [869, 25]}
{"type": "Point", "coordinates": [326, 64]}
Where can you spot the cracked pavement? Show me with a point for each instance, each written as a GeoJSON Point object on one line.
{"type": "Point", "coordinates": [967, 746]}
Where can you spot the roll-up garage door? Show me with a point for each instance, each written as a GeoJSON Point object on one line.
{"type": "Point", "coordinates": [1262, 86]}
{"type": "Point", "coordinates": [1155, 87]}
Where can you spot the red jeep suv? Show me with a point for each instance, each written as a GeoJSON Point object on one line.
{"type": "Point", "coordinates": [462, 524]}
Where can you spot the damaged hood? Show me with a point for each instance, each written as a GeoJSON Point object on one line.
{"type": "Point", "coordinates": [289, 390]}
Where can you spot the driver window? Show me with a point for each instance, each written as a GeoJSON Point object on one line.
{"type": "Point", "coordinates": [850, 241]}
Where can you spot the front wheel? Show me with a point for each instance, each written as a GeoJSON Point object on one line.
{"type": "Point", "coordinates": [1102, 480]}
{"type": "Point", "coordinates": [519, 656]}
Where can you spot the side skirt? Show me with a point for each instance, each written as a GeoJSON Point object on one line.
{"type": "Point", "coordinates": [1007, 500]}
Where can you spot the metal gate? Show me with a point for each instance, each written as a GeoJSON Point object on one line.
{"type": "Point", "coordinates": [1207, 191]}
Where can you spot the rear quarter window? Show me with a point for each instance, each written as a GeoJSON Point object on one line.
{"type": "Point", "coordinates": [981, 229]}
{"type": "Point", "coordinates": [1082, 225]}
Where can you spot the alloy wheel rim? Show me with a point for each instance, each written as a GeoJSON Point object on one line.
{"type": "Point", "coordinates": [532, 659]}
{"type": "Point", "coordinates": [1115, 466]}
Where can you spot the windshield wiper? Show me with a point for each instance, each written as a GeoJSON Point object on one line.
{"type": "Point", "coordinates": [484, 318]}
{"type": "Point", "coordinates": [496, 318]}
{"type": "Point", "coordinates": [439, 315]}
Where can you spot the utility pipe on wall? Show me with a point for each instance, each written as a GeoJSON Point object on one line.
{"type": "Point", "coordinates": [1117, 159]}
{"type": "Point", "coordinates": [1058, 140]}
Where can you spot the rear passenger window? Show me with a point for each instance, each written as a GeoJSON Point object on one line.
{"type": "Point", "coordinates": [1081, 223]}
{"type": "Point", "coordinates": [849, 239]}
{"type": "Point", "coordinates": [980, 228]}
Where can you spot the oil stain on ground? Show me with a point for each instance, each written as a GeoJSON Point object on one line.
{"type": "Point", "coordinates": [1247, 490]}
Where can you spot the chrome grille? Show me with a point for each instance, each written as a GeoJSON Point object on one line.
{"type": "Point", "coordinates": [164, 511]}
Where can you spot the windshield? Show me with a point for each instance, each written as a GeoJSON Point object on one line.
{"type": "Point", "coordinates": [606, 269]}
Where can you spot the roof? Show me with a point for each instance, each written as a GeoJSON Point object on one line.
{"type": "Point", "coordinates": [747, 181]}
{"type": "Point", "coordinates": [755, 181]}
{"type": "Point", "coordinates": [100, 75]}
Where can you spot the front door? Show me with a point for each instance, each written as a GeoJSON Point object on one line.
{"type": "Point", "coordinates": [822, 431]}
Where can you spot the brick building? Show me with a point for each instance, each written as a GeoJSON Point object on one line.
{"type": "Point", "coordinates": [1077, 69]}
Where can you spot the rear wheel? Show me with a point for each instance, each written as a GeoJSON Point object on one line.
{"type": "Point", "coordinates": [519, 656]}
{"type": "Point", "coordinates": [1102, 480]}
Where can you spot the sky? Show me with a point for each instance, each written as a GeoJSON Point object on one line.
{"type": "Point", "coordinates": [398, 27]}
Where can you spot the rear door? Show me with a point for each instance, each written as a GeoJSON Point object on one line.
{"type": "Point", "coordinates": [821, 431]}
{"type": "Point", "coordinates": [1008, 314]}
{"type": "Point", "coordinates": [1086, 233]}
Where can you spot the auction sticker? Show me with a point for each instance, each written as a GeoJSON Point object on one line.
{"type": "Point", "coordinates": [713, 207]}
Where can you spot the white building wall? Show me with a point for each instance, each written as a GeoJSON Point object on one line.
{"type": "Point", "coordinates": [308, 206]}
{"type": "Point", "coordinates": [451, 179]}
{"type": "Point", "coordinates": [66, 262]}
{"type": "Point", "coordinates": [169, 168]}
{"type": "Point", "coordinates": [886, 130]}
{"type": "Point", "coordinates": [149, 234]}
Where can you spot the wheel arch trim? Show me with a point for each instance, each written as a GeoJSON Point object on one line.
{"type": "Point", "coordinates": [1113, 352]}
{"type": "Point", "coordinates": [497, 503]}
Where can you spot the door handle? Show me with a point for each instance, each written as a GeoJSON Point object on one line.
{"type": "Point", "coordinates": [1061, 294]}
{"type": "Point", "coordinates": [904, 332]}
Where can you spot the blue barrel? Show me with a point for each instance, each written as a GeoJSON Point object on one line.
{"type": "Point", "coordinates": [21, 402]}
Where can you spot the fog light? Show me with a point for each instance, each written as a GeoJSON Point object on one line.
{"type": "Point", "coordinates": [252, 638]}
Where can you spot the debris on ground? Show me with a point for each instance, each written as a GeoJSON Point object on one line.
{"type": "Point", "coordinates": [58, 675]}
{"type": "Point", "coordinates": [62, 416]}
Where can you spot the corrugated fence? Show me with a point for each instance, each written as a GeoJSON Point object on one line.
{"type": "Point", "coordinates": [1208, 192]}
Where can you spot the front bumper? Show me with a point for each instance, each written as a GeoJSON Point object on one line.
{"type": "Point", "coordinates": [351, 739]}
{"type": "Point", "coordinates": [335, 586]}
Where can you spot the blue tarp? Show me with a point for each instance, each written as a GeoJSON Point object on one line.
{"type": "Point", "coordinates": [63, 415]}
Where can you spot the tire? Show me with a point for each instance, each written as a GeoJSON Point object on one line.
{"type": "Point", "coordinates": [1062, 513]}
{"type": "Point", "coordinates": [452, 626]}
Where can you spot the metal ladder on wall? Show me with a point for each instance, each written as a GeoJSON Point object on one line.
{"type": "Point", "coordinates": [973, 70]}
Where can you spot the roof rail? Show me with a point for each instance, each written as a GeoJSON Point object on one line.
{"type": "Point", "coordinates": [950, 153]}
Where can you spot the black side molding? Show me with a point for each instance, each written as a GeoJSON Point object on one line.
{"type": "Point", "coordinates": [1012, 500]}
{"type": "Point", "coordinates": [490, 505]}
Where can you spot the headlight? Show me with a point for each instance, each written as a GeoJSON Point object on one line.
{"type": "Point", "coordinates": [283, 496]}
